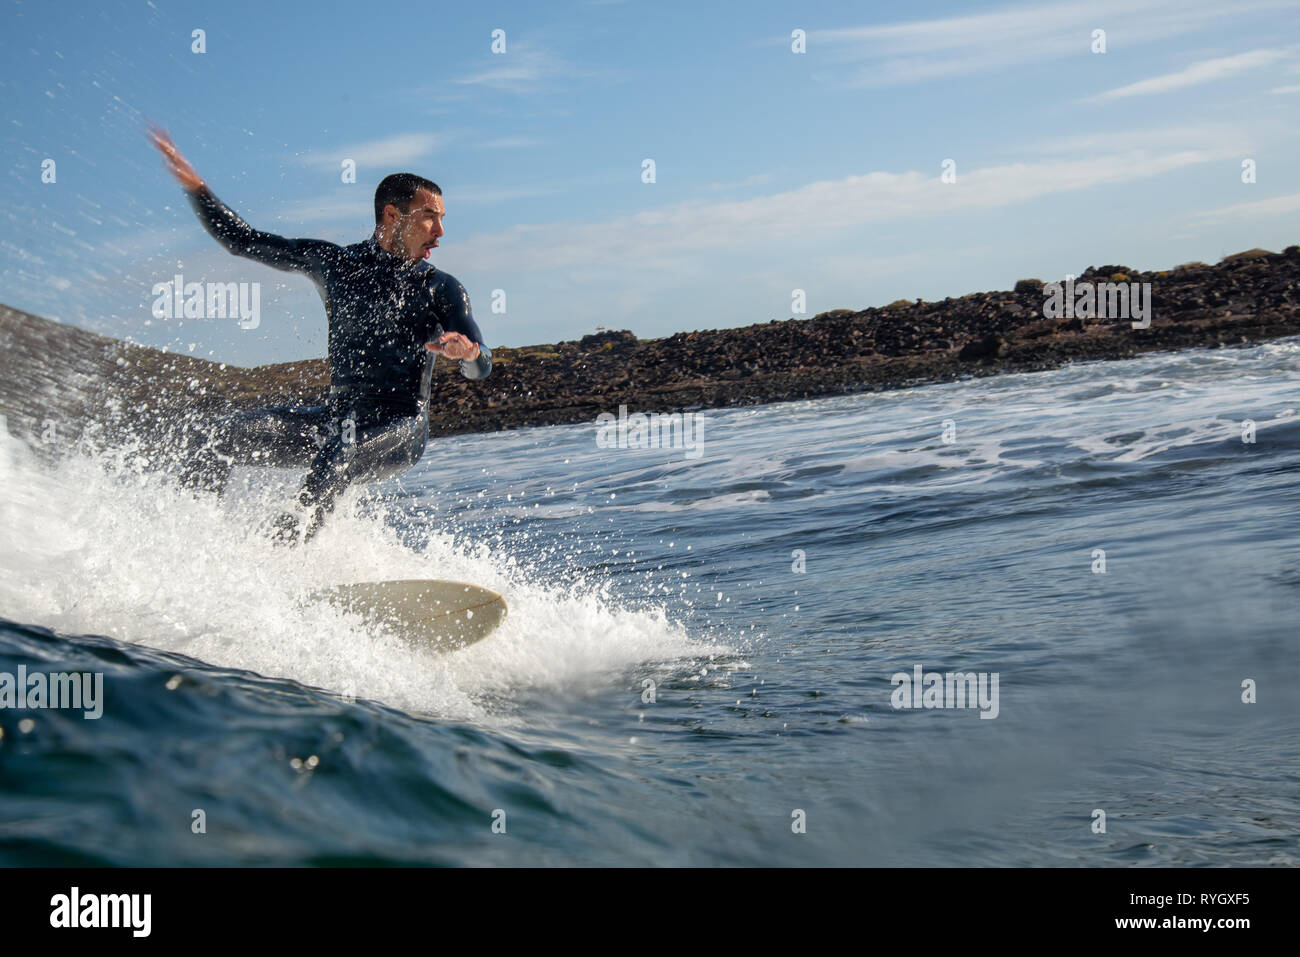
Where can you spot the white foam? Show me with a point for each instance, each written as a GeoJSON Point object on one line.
{"type": "Point", "coordinates": [127, 555]}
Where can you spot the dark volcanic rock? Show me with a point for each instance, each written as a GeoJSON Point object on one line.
{"type": "Point", "coordinates": [109, 390]}
{"type": "Point", "coordinates": [985, 347]}
{"type": "Point", "coordinates": [621, 340]}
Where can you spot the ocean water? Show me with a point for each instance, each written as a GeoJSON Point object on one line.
{"type": "Point", "coordinates": [698, 667]}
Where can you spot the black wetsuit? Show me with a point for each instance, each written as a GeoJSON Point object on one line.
{"type": "Point", "coordinates": [381, 309]}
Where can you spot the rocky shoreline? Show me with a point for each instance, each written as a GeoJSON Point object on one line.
{"type": "Point", "coordinates": [95, 387]}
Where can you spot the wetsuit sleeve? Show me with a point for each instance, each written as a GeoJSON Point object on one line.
{"type": "Point", "coordinates": [454, 315]}
{"type": "Point", "coordinates": [227, 228]}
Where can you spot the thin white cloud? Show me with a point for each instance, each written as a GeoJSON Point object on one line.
{"type": "Point", "coordinates": [1205, 71]}
{"type": "Point", "coordinates": [1146, 137]}
{"type": "Point", "coordinates": [1256, 209]}
{"type": "Point", "coordinates": [391, 151]}
{"type": "Point", "coordinates": [1286, 89]}
{"type": "Point", "coordinates": [758, 179]}
{"type": "Point", "coordinates": [810, 211]}
{"type": "Point", "coordinates": [358, 209]}
{"type": "Point", "coordinates": [525, 68]}
{"type": "Point", "coordinates": [923, 50]}
{"type": "Point", "coordinates": [483, 195]}
{"type": "Point", "coordinates": [509, 143]}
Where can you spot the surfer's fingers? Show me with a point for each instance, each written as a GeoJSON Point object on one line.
{"type": "Point", "coordinates": [455, 340]}
{"type": "Point", "coordinates": [162, 139]}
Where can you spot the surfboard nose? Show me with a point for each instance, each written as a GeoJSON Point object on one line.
{"type": "Point", "coordinates": [432, 614]}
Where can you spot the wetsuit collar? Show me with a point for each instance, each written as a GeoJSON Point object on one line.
{"type": "Point", "coordinates": [383, 255]}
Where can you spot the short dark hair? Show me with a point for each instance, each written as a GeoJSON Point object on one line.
{"type": "Point", "coordinates": [398, 189]}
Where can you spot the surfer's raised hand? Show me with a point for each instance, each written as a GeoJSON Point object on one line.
{"type": "Point", "coordinates": [453, 345]}
{"type": "Point", "coordinates": [177, 164]}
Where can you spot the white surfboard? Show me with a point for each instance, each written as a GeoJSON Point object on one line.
{"type": "Point", "coordinates": [436, 615]}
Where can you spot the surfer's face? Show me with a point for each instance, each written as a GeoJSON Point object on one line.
{"type": "Point", "coordinates": [416, 232]}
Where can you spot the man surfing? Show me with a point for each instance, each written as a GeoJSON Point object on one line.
{"type": "Point", "coordinates": [390, 313]}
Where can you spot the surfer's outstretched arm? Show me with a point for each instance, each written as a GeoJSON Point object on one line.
{"type": "Point", "coordinates": [227, 228]}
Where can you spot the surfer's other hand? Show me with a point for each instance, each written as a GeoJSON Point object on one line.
{"type": "Point", "coordinates": [177, 164]}
{"type": "Point", "coordinates": [453, 345]}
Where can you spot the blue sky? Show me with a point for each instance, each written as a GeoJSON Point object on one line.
{"type": "Point", "coordinates": [775, 170]}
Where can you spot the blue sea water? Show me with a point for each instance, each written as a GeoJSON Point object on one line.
{"type": "Point", "coordinates": [698, 664]}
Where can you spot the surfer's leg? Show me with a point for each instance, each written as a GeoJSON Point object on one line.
{"type": "Point", "coordinates": [280, 437]}
{"type": "Point", "coordinates": [378, 451]}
